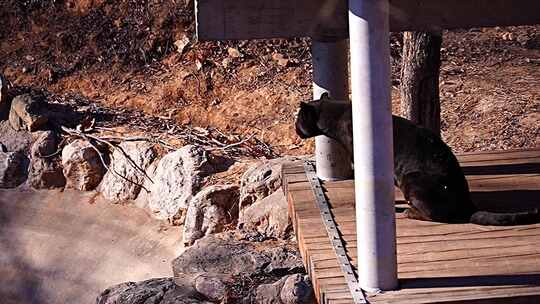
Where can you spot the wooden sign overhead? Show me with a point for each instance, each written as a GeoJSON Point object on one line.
{"type": "Point", "coordinates": [253, 19]}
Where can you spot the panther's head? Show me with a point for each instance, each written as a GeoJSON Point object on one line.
{"type": "Point", "coordinates": [308, 117]}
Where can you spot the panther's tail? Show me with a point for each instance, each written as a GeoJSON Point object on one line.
{"type": "Point", "coordinates": [505, 219]}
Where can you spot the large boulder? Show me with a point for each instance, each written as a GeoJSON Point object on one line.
{"type": "Point", "coordinates": [132, 168]}
{"type": "Point", "coordinates": [225, 254]}
{"type": "Point", "coordinates": [179, 175]}
{"type": "Point", "coordinates": [45, 168]}
{"type": "Point", "coordinates": [221, 264]}
{"type": "Point", "coordinates": [261, 180]}
{"type": "Point", "coordinates": [153, 291]}
{"type": "Point", "coordinates": [26, 113]}
{"type": "Point", "coordinates": [82, 166]}
{"type": "Point", "coordinates": [291, 289]}
{"type": "Point", "coordinates": [268, 217]}
{"type": "Point", "coordinates": [210, 211]}
{"type": "Point", "coordinates": [13, 169]}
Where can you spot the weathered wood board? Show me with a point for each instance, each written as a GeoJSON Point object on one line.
{"type": "Point", "coordinates": [259, 19]}
{"type": "Point", "coordinates": [437, 263]}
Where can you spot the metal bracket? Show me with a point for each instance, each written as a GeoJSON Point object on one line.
{"type": "Point", "coordinates": [333, 234]}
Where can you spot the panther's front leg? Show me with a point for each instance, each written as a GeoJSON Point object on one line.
{"type": "Point", "coordinates": [415, 214]}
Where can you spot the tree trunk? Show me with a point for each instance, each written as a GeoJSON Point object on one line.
{"type": "Point", "coordinates": [421, 62]}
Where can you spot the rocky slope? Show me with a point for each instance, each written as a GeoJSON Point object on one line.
{"type": "Point", "coordinates": [141, 55]}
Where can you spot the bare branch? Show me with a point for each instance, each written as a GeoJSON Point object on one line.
{"type": "Point", "coordinates": [91, 139]}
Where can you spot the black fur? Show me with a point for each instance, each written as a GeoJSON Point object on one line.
{"type": "Point", "coordinates": [425, 169]}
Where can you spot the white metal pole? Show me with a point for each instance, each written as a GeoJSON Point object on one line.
{"type": "Point", "coordinates": [330, 74]}
{"type": "Point", "coordinates": [373, 157]}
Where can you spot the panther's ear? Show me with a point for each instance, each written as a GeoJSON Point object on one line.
{"type": "Point", "coordinates": [307, 107]}
{"type": "Point", "coordinates": [325, 96]}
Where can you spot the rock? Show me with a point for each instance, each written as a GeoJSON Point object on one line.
{"type": "Point", "coordinates": [291, 289]}
{"type": "Point", "coordinates": [142, 199]}
{"type": "Point", "coordinates": [45, 144]}
{"type": "Point", "coordinates": [508, 36]}
{"type": "Point", "coordinates": [45, 169]}
{"type": "Point", "coordinates": [226, 62]}
{"type": "Point", "coordinates": [15, 141]}
{"type": "Point", "coordinates": [269, 293]}
{"type": "Point", "coordinates": [4, 103]}
{"type": "Point", "coordinates": [280, 59]}
{"type": "Point", "coordinates": [198, 64]}
{"type": "Point", "coordinates": [210, 211]}
{"type": "Point", "coordinates": [153, 291]}
{"type": "Point", "coordinates": [82, 166]}
{"type": "Point", "coordinates": [261, 180]}
{"type": "Point", "coordinates": [222, 264]}
{"type": "Point", "coordinates": [234, 52]}
{"type": "Point", "coordinates": [223, 255]}
{"type": "Point", "coordinates": [179, 175]}
{"type": "Point", "coordinates": [268, 217]}
{"type": "Point", "coordinates": [45, 174]}
{"type": "Point", "coordinates": [13, 169]}
{"type": "Point", "coordinates": [212, 288]}
{"type": "Point", "coordinates": [181, 43]}
{"type": "Point", "coordinates": [118, 189]}
{"type": "Point", "coordinates": [26, 113]}
{"type": "Point", "coordinates": [297, 289]}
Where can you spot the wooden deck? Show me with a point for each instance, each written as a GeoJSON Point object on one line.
{"type": "Point", "coordinates": [437, 263]}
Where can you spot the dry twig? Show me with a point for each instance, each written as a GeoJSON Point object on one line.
{"type": "Point", "coordinates": [91, 139]}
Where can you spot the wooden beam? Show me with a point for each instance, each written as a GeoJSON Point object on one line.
{"type": "Point", "coordinates": [443, 14]}
{"type": "Point", "coordinates": [260, 19]}
{"type": "Point", "coordinates": [254, 19]}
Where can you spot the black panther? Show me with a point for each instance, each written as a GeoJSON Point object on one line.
{"type": "Point", "coordinates": [425, 169]}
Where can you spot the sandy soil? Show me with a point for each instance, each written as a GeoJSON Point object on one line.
{"type": "Point", "coordinates": [67, 247]}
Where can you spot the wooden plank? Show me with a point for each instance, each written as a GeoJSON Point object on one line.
{"type": "Point", "coordinates": [500, 156]}
{"type": "Point", "coordinates": [492, 159]}
{"type": "Point", "coordinates": [479, 183]}
{"type": "Point", "coordinates": [510, 153]}
{"type": "Point", "coordinates": [501, 162]}
{"type": "Point", "coordinates": [515, 167]}
{"type": "Point", "coordinates": [256, 19]}
{"type": "Point", "coordinates": [477, 295]}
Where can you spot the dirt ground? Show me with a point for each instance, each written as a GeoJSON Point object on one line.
{"type": "Point", "coordinates": [136, 67]}
{"type": "Point", "coordinates": [140, 57]}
